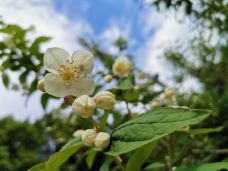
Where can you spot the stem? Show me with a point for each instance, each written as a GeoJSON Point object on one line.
{"type": "Point", "coordinates": [118, 161]}
{"type": "Point", "coordinates": [213, 151]}
{"type": "Point", "coordinates": [128, 109]}
{"type": "Point", "coordinates": [170, 151]}
{"type": "Point", "coordinates": [94, 124]}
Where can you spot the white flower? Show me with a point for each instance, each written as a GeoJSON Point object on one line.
{"type": "Point", "coordinates": [122, 67]}
{"type": "Point", "coordinates": [104, 100]}
{"type": "Point", "coordinates": [102, 140]}
{"type": "Point", "coordinates": [69, 75]}
{"type": "Point", "coordinates": [88, 137]}
{"type": "Point", "coordinates": [84, 106]}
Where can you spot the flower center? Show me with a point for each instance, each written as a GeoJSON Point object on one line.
{"type": "Point", "coordinates": [70, 71]}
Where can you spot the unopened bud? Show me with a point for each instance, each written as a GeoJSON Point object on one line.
{"type": "Point", "coordinates": [104, 100]}
{"type": "Point", "coordinates": [88, 137]}
{"type": "Point", "coordinates": [108, 78]}
{"type": "Point", "coordinates": [40, 85]}
{"type": "Point", "coordinates": [102, 140]}
{"type": "Point", "coordinates": [78, 133]}
{"type": "Point", "coordinates": [170, 96]}
{"type": "Point", "coordinates": [68, 100]}
{"type": "Point", "coordinates": [122, 67]}
{"type": "Point", "coordinates": [169, 92]}
{"type": "Point", "coordinates": [84, 106]}
{"type": "Point", "coordinates": [155, 105]}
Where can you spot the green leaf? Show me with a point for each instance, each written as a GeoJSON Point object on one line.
{"type": "Point", "coordinates": [132, 95]}
{"type": "Point", "coordinates": [5, 80]}
{"type": "Point", "coordinates": [60, 157]}
{"type": "Point", "coordinates": [154, 166]}
{"type": "Point", "coordinates": [35, 47]}
{"type": "Point", "coordinates": [44, 100]}
{"type": "Point", "coordinates": [151, 126]}
{"type": "Point", "coordinates": [103, 121]}
{"type": "Point", "coordinates": [38, 167]}
{"type": "Point", "coordinates": [90, 157]}
{"type": "Point", "coordinates": [206, 167]}
{"type": "Point", "coordinates": [126, 84]}
{"type": "Point", "coordinates": [71, 143]}
{"type": "Point", "coordinates": [205, 130]}
{"type": "Point", "coordinates": [105, 166]}
{"type": "Point", "coordinates": [135, 162]}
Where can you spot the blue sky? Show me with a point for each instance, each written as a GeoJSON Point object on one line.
{"type": "Point", "coordinates": [100, 14]}
{"type": "Point", "coordinates": [148, 32]}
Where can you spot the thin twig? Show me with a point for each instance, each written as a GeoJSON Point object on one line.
{"type": "Point", "coordinates": [94, 124]}
{"type": "Point", "coordinates": [128, 109]}
{"type": "Point", "coordinates": [214, 151]}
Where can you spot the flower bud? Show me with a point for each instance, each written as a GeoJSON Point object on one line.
{"type": "Point", "coordinates": [88, 137]}
{"type": "Point", "coordinates": [155, 105]}
{"type": "Point", "coordinates": [102, 140]}
{"type": "Point", "coordinates": [108, 78]}
{"type": "Point", "coordinates": [122, 67]}
{"type": "Point", "coordinates": [68, 100]}
{"type": "Point", "coordinates": [170, 96]}
{"type": "Point", "coordinates": [169, 93]}
{"type": "Point", "coordinates": [84, 106]}
{"type": "Point", "coordinates": [40, 85]}
{"type": "Point", "coordinates": [104, 100]}
{"type": "Point", "coordinates": [78, 133]}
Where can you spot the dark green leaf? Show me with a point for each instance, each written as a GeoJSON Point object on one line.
{"type": "Point", "coordinates": [151, 126]}
{"type": "Point", "coordinates": [5, 80]}
{"type": "Point", "coordinates": [35, 47]}
{"type": "Point", "coordinates": [105, 166]}
{"type": "Point", "coordinates": [44, 100]}
{"type": "Point", "coordinates": [137, 159]}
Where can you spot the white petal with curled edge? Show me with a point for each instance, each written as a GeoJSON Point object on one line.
{"type": "Point", "coordinates": [85, 86]}
{"type": "Point", "coordinates": [85, 58]}
{"type": "Point", "coordinates": [54, 57]}
{"type": "Point", "coordinates": [54, 85]}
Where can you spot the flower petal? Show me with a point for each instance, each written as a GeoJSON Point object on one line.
{"type": "Point", "coordinates": [54, 57]}
{"type": "Point", "coordinates": [84, 86]}
{"type": "Point", "coordinates": [85, 58]}
{"type": "Point", "coordinates": [54, 85]}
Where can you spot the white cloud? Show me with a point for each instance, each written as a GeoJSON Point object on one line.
{"type": "Point", "coordinates": [112, 33]}
{"type": "Point", "coordinates": [47, 21]}
{"type": "Point", "coordinates": [170, 30]}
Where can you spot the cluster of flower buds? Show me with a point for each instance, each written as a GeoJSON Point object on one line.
{"type": "Point", "coordinates": [91, 137]}
{"type": "Point", "coordinates": [84, 105]}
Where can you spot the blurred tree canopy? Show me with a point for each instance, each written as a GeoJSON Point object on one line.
{"type": "Point", "coordinates": [35, 142]}
{"type": "Point", "coordinates": [210, 54]}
